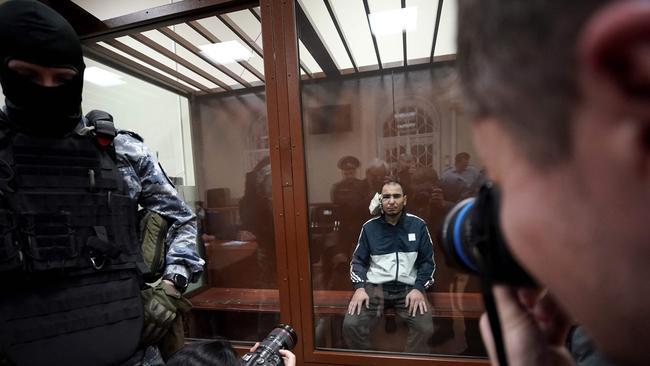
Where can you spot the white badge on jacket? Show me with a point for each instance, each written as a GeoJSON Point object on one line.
{"type": "Point", "coordinates": [411, 236]}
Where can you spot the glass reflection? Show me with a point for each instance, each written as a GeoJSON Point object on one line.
{"type": "Point", "coordinates": [392, 266]}
{"type": "Point", "coordinates": [240, 299]}
{"type": "Point", "coordinates": [403, 125]}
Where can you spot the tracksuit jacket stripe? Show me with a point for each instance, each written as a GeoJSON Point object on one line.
{"type": "Point", "coordinates": [386, 253]}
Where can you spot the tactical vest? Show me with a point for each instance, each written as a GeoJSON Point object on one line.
{"type": "Point", "coordinates": [69, 255]}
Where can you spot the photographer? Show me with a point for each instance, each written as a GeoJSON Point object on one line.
{"type": "Point", "coordinates": [560, 92]}
{"type": "Point", "coordinates": [218, 352]}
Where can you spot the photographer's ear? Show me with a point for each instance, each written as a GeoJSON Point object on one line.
{"type": "Point", "coordinates": [613, 67]}
{"type": "Point", "coordinates": [614, 57]}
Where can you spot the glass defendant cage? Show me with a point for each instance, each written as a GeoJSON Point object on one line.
{"type": "Point", "coordinates": [258, 102]}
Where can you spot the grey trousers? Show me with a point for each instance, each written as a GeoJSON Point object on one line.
{"type": "Point", "coordinates": [357, 328]}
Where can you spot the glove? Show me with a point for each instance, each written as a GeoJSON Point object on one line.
{"type": "Point", "coordinates": [162, 305]}
{"type": "Point", "coordinates": [375, 205]}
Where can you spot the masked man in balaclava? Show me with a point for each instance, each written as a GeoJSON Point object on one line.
{"type": "Point", "coordinates": [70, 259]}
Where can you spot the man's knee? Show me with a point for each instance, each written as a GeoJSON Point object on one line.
{"type": "Point", "coordinates": [423, 324]}
{"type": "Point", "coordinates": [351, 322]}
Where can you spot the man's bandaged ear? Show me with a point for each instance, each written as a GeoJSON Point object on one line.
{"type": "Point", "coordinates": [375, 205]}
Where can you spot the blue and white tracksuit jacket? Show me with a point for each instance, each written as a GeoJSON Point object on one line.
{"type": "Point", "coordinates": [402, 253]}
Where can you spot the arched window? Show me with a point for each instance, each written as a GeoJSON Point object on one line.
{"type": "Point", "coordinates": [415, 131]}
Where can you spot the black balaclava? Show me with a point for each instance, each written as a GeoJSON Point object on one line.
{"type": "Point", "coordinates": [32, 32]}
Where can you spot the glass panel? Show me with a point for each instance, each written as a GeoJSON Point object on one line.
{"type": "Point", "coordinates": [164, 128]}
{"type": "Point", "coordinates": [230, 191]}
{"type": "Point", "coordinates": [231, 149]}
{"type": "Point", "coordinates": [360, 130]}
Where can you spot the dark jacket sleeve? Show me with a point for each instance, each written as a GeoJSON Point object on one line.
{"type": "Point", "coordinates": [360, 261]}
{"type": "Point", "coordinates": [425, 263]}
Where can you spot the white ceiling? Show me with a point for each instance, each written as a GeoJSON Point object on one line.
{"type": "Point", "coordinates": [349, 14]}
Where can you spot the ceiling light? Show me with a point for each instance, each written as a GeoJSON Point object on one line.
{"type": "Point", "coordinates": [226, 52]}
{"type": "Point", "coordinates": [102, 77]}
{"type": "Point", "coordinates": [393, 21]}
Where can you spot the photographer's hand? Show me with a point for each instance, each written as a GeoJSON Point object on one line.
{"type": "Point", "coordinates": [414, 301]}
{"type": "Point", "coordinates": [360, 296]}
{"type": "Point", "coordinates": [534, 328]}
{"type": "Point", "coordinates": [437, 198]}
{"type": "Point", "coordinates": [288, 357]}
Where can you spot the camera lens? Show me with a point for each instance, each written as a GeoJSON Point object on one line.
{"type": "Point", "coordinates": [281, 337]}
{"type": "Point", "coordinates": [457, 236]}
{"type": "Point", "coordinates": [472, 240]}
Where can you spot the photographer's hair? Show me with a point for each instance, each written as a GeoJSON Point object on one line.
{"type": "Point", "coordinates": [517, 62]}
{"type": "Point", "coordinates": [218, 352]}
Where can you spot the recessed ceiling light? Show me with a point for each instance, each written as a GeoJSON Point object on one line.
{"type": "Point", "coordinates": [393, 21]}
{"type": "Point", "coordinates": [226, 52]}
{"type": "Point", "coordinates": [101, 77]}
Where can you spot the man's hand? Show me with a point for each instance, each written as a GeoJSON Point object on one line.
{"type": "Point", "coordinates": [161, 306]}
{"type": "Point", "coordinates": [414, 301]}
{"type": "Point", "coordinates": [360, 296]}
{"type": "Point", "coordinates": [534, 328]}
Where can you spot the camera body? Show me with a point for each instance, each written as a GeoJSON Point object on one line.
{"type": "Point", "coordinates": [472, 240]}
{"type": "Point", "coordinates": [253, 358]}
{"type": "Point", "coordinates": [268, 352]}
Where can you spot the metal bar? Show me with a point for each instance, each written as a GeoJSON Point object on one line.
{"type": "Point", "coordinates": [374, 39]}
{"type": "Point", "coordinates": [162, 67]}
{"type": "Point", "coordinates": [195, 50]}
{"type": "Point", "coordinates": [164, 15]}
{"type": "Point", "coordinates": [341, 35]}
{"type": "Point", "coordinates": [171, 55]}
{"type": "Point", "coordinates": [446, 60]}
{"type": "Point", "coordinates": [228, 22]}
{"type": "Point", "coordinates": [117, 61]}
{"type": "Point", "coordinates": [406, 60]}
{"type": "Point", "coordinates": [304, 68]}
{"type": "Point", "coordinates": [256, 14]}
{"type": "Point", "coordinates": [435, 30]}
{"type": "Point", "coordinates": [200, 29]}
{"type": "Point", "coordinates": [314, 44]}
{"type": "Point", "coordinates": [236, 92]}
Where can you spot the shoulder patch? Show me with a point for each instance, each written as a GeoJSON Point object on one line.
{"type": "Point", "coordinates": [130, 133]}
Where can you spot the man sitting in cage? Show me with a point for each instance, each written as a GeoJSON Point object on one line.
{"type": "Point", "coordinates": [392, 266]}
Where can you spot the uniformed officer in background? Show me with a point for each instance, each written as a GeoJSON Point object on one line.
{"type": "Point", "coordinates": [348, 196]}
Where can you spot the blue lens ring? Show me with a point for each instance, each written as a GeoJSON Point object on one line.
{"type": "Point", "coordinates": [457, 245]}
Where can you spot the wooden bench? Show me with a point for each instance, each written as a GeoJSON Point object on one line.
{"type": "Point", "coordinates": [445, 304]}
